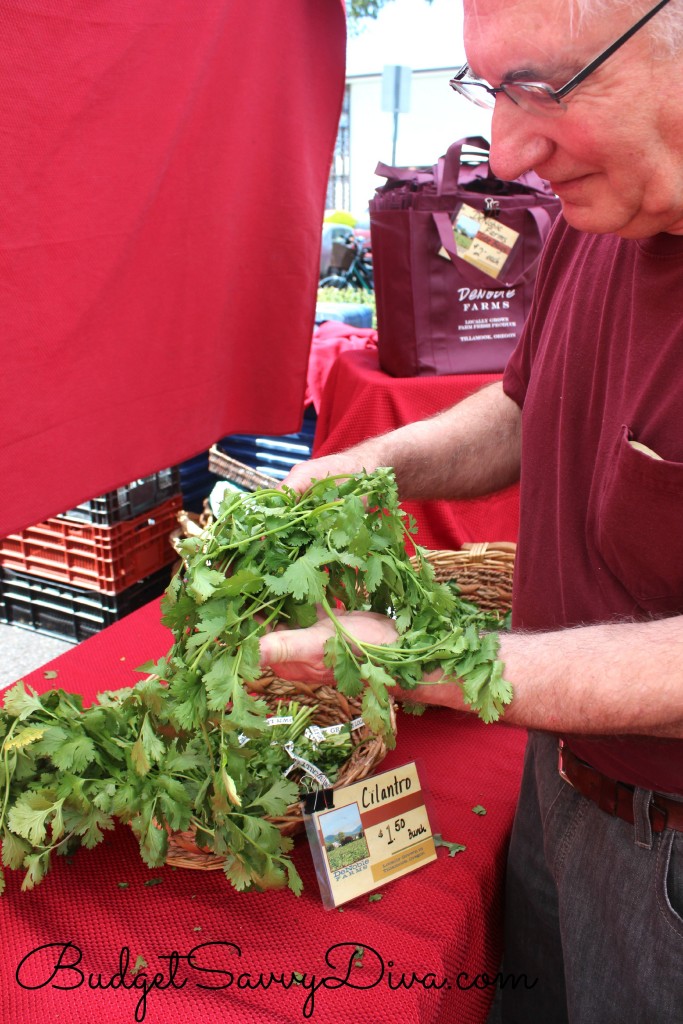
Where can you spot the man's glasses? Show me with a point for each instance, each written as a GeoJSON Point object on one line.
{"type": "Point", "coordinates": [538, 97]}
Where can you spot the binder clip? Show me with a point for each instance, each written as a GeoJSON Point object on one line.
{"type": "Point", "coordinates": [491, 207]}
{"type": "Point", "coordinates": [318, 800]}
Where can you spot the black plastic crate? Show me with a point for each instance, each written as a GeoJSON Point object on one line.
{"type": "Point", "coordinates": [70, 613]}
{"type": "Point", "coordinates": [128, 501]}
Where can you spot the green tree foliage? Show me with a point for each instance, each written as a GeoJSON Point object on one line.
{"type": "Point", "coordinates": [358, 9]}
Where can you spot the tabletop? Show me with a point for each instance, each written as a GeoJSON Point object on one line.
{"type": "Point", "coordinates": [359, 401]}
{"type": "Point", "coordinates": [104, 936]}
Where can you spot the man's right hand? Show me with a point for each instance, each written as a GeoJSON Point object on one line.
{"type": "Point", "coordinates": [303, 473]}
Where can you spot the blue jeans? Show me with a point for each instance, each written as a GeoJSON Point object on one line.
{"type": "Point", "coordinates": [593, 909]}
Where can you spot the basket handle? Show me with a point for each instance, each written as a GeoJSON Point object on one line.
{"type": "Point", "coordinates": [477, 551]}
{"type": "Point", "coordinates": [238, 472]}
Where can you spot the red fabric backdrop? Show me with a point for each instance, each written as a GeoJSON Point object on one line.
{"type": "Point", "coordinates": [163, 169]}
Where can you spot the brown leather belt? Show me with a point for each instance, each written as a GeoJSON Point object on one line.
{"type": "Point", "coordinates": [616, 798]}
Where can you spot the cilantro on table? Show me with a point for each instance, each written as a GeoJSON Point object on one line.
{"type": "Point", "coordinates": [68, 772]}
{"type": "Point", "coordinates": [452, 848]}
{"type": "Point", "coordinates": [188, 749]}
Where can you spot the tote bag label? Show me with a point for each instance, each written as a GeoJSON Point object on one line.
{"type": "Point", "coordinates": [481, 240]}
{"type": "Point", "coordinates": [487, 314]}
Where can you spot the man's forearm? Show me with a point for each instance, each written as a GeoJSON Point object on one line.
{"type": "Point", "coordinates": [468, 450]}
{"type": "Point", "coordinates": [621, 678]}
{"type": "Point", "coordinates": [616, 678]}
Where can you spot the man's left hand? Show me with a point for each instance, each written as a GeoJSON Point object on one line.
{"type": "Point", "coordinates": [298, 653]}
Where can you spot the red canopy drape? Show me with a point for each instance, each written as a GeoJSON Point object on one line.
{"type": "Point", "coordinates": [163, 169]}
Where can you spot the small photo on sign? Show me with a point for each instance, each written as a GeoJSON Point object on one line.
{"type": "Point", "coordinates": [482, 240]}
{"type": "Point", "coordinates": [344, 837]}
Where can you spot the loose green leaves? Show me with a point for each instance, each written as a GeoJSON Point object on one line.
{"type": "Point", "coordinates": [452, 848]}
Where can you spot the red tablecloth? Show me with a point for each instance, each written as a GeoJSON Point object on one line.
{"type": "Point", "coordinates": [443, 920]}
{"type": "Point", "coordinates": [361, 401]}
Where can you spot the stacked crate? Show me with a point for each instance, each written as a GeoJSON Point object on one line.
{"type": "Point", "coordinates": [78, 572]}
{"type": "Point", "coordinates": [271, 454]}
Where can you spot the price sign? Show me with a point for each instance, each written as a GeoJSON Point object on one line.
{"type": "Point", "coordinates": [377, 830]}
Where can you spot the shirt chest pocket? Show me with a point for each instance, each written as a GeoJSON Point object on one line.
{"type": "Point", "coordinates": [639, 528]}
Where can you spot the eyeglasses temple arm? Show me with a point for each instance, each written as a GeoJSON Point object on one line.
{"type": "Point", "coordinates": [585, 72]}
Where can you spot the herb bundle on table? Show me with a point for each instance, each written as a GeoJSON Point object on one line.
{"type": "Point", "coordinates": [197, 753]}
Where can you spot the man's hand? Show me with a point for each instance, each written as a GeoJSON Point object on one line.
{"type": "Point", "coordinates": [303, 473]}
{"type": "Point", "coordinates": [298, 653]}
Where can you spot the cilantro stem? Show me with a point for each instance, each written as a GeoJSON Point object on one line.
{"type": "Point", "coordinates": [7, 785]}
{"type": "Point", "coordinates": [404, 654]}
{"type": "Point", "coordinates": [205, 734]}
{"type": "Point", "coordinates": [255, 609]}
{"type": "Point", "coordinates": [53, 846]}
{"type": "Point", "coordinates": [342, 633]}
{"type": "Point", "coordinates": [69, 704]}
{"type": "Point", "coordinates": [284, 527]}
{"type": "Point", "coordinates": [8, 775]}
{"type": "Point", "coordinates": [310, 490]}
{"type": "Point", "coordinates": [202, 826]}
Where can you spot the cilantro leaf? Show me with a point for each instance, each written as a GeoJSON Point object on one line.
{"type": "Point", "coordinates": [204, 582]}
{"type": "Point", "coordinates": [76, 753]}
{"type": "Point", "coordinates": [37, 865]}
{"type": "Point", "coordinates": [278, 797]}
{"type": "Point", "coordinates": [346, 668]}
{"type": "Point", "coordinates": [24, 738]}
{"type": "Point", "coordinates": [303, 579]}
{"type": "Point", "coordinates": [237, 873]}
{"type": "Point", "coordinates": [221, 680]}
{"type": "Point", "coordinates": [20, 702]}
{"type": "Point", "coordinates": [29, 817]}
{"type": "Point", "coordinates": [452, 848]}
{"type": "Point", "coordinates": [14, 849]}
{"type": "Point", "coordinates": [153, 841]}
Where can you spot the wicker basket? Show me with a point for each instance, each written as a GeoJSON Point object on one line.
{"type": "Point", "coordinates": [483, 573]}
{"type": "Point", "coordinates": [331, 708]}
{"type": "Point", "coordinates": [238, 472]}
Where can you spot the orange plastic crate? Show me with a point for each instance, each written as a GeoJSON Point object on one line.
{"type": "Point", "coordinates": [104, 558]}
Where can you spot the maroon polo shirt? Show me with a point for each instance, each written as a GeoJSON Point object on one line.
{"type": "Point", "coordinates": [600, 365]}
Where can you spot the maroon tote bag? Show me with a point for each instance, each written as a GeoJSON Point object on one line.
{"type": "Point", "coordinates": [455, 251]}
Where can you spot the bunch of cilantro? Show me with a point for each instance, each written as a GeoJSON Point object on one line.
{"type": "Point", "coordinates": [68, 773]}
{"type": "Point", "coordinates": [195, 752]}
{"type": "Point", "coordinates": [277, 556]}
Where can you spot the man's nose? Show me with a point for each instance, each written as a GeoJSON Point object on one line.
{"type": "Point", "coordinates": [519, 141]}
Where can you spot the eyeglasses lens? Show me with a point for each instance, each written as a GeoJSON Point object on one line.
{"type": "Point", "coordinates": [475, 92]}
{"type": "Point", "coordinates": [534, 97]}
